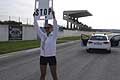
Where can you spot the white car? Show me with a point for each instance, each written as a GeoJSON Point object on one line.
{"type": "Point", "coordinates": [99, 41]}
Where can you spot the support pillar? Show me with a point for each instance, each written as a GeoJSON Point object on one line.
{"type": "Point", "coordinates": [70, 25]}
{"type": "Point", "coordinates": [67, 25]}
{"type": "Point", "coordinates": [78, 24]}
{"type": "Point", "coordinates": [74, 24]}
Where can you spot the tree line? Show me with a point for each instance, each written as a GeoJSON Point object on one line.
{"type": "Point", "coordinates": [9, 22]}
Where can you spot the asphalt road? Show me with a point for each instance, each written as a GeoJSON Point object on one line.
{"type": "Point", "coordinates": [74, 63]}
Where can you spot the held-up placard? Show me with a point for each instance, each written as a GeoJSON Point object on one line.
{"type": "Point", "coordinates": [43, 8]}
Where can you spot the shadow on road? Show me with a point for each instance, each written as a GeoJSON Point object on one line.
{"type": "Point", "coordinates": [98, 51]}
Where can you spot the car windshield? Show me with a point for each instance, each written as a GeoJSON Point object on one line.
{"type": "Point", "coordinates": [98, 38]}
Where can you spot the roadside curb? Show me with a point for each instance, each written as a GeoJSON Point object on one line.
{"type": "Point", "coordinates": [34, 49]}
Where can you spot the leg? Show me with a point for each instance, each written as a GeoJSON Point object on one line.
{"type": "Point", "coordinates": [43, 71]}
{"type": "Point", "coordinates": [53, 69]}
{"type": "Point", "coordinates": [43, 67]}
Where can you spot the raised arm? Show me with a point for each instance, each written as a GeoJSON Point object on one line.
{"type": "Point", "coordinates": [55, 26]}
{"type": "Point", "coordinates": [40, 33]}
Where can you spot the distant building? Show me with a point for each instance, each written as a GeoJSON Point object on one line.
{"type": "Point", "coordinates": [72, 19]}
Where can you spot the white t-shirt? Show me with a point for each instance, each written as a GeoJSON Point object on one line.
{"type": "Point", "coordinates": [48, 43]}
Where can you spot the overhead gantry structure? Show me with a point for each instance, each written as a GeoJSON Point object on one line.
{"type": "Point", "coordinates": [72, 18]}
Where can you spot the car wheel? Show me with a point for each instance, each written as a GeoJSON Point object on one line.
{"type": "Point", "coordinates": [88, 50]}
{"type": "Point", "coordinates": [108, 51]}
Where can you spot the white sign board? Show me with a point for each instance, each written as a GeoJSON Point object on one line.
{"type": "Point", "coordinates": [43, 8]}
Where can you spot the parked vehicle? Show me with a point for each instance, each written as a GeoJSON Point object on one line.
{"type": "Point", "coordinates": [110, 40]}
{"type": "Point", "coordinates": [99, 41]}
{"type": "Point", "coordinates": [114, 39]}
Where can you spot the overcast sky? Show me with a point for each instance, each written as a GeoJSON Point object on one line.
{"type": "Point", "coordinates": [106, 13]}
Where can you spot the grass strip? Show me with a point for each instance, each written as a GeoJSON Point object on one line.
{"type": "Point", "coordinates": [13, 46]}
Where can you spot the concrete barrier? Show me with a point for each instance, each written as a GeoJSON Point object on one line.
{"type": "Point", "coordinates": [4, 33]}
{"type": "Point", "coordinates": [29, 33]}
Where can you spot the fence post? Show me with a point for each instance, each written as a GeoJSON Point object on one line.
{"type": "Point", "coordinates": [9, 18]}
{"type": "Point", "coordinates": [27, 21]}
{"type": "Point", "coordinates": [19, 19]}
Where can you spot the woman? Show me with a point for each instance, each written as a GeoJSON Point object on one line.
{"type": "Point", "coordinates": [48, 47]}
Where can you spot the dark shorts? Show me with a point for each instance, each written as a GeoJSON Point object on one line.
{"type": "Point", "coordinates": [48, 60]}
